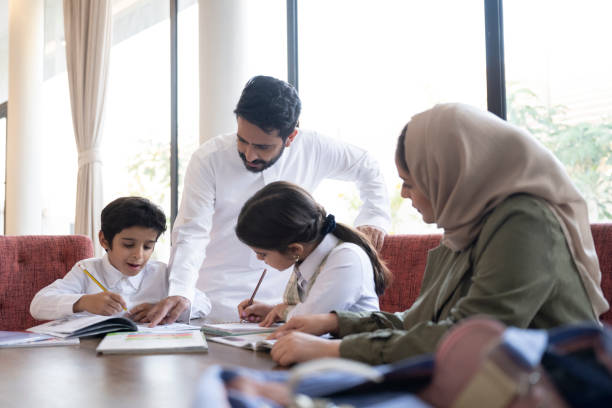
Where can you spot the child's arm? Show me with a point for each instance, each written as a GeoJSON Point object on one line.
{"type": "Point", "coordinates": [57, 299]}
{"type": "Point", "coordinates": [103, 303]}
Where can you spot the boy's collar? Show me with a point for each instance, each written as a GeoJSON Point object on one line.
{"type": "Point", "coordinates": [114, 275]}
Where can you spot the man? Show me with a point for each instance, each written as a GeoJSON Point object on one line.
{"type": "Point", "coordinates": [225, 171]}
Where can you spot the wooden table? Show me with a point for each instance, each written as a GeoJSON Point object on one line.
{"type": "Point", "coordinates": [74, 376]}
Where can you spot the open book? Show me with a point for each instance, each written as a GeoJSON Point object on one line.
{"type": "Point", "coordinates": [235, 329]}
{"type": "Point", "coordinates": [248, 341]}
{"type": "Point", "coordinates": [80, 325]}
{"type": "Point", "coordinates": [11, 339]}
{"type": "Point", "coordinates": [152, 342]}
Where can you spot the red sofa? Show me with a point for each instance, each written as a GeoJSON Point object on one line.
{"type": "Point", "coordinates": [27, 264]}
{"type": "Point", "coordinates": [406, 255]}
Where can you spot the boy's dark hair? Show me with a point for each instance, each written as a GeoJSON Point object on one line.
{"type": "Point", "coordinates": [283, 213]}
{"type": "Point", "coordinates": [126, 212]}
{"type": "Point", "coordinates": [270, 104]}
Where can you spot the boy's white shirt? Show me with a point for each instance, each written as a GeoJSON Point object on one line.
{"type": "Point", "coordinates": [149, 286]}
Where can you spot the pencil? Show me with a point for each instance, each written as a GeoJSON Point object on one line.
{"type": "Point", "coordinates": [257, 288]}
{"type": "Point", "coordinates": [97, 282]}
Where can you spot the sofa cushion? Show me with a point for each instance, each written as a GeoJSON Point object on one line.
{"type": "Point", "coordinates": [602, 235]}
{"type": "Point", "coordinates": [27, 264]}
{"type": "Point", "coordinates": [405, 256]}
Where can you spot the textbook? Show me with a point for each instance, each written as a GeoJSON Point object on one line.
{"type": "Point", "coordinates": [191, 341]}
{"type": "Point", "coordinates": [13, 339]}
{"type": "Point", "coordinates": [80, 325]}
{"type": "Point", "coordinates": [249, 341]}
{"type": "Point", "coordinates": [235, 329]}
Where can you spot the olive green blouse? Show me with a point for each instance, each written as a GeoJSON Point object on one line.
{"type": "Point", "coordinates": [519, 270]}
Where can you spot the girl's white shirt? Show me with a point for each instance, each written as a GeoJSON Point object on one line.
{"type": "Point", "coordinates": [345, 282]}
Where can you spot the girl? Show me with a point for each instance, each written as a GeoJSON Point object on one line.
{"type": "Point", "coordinates": [334, 265]}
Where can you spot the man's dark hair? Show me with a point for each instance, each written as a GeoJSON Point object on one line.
{"type": "Point", "coordinates": [126, 212]}
{"type": "Point", "coordinates": [270, 104]}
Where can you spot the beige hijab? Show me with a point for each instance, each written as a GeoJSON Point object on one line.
{"type": "Point", "coordinates": [467, 161]}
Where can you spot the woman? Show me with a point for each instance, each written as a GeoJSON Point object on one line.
{"type": "Point", "coordinates": [517, 244]}
{"type": "Point", "coordinates": [334, 266]}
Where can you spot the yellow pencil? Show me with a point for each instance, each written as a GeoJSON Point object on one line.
{"type": "Point", "coordinates": [96, 281]}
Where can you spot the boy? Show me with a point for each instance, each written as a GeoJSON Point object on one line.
{"type": "Point", "coordinates": [130, 228]}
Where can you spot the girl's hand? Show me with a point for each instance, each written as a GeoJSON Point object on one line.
{"type": "Point", "coordinates": [317, 324]}
{"type": "Point", "coordinates": [296, 347]}
{"type": "Point", "coordinates": [256, 312]}
{"type": "Point", "coordinates": [274, 315]}
{"type": "Point", "coordinates": [103, 303]}
{"type": "Point", "coordinates": [139, 312]}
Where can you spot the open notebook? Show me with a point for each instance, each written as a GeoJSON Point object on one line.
{"type": "Point", "coordinates": [80, 325]}
{"type": "Point", "coordinates": [11, 339]}
{"type": "Point", "coordinates": [247, 341]}
{"type": "Point", "coordinates": [235, 329]}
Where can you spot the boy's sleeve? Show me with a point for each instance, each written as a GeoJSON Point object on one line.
{"type": "Point", "coordinates": [57, 299]}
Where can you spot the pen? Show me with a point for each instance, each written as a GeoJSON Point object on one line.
{"type": "Point", "coordinates": [256, 288]}
{"type": "Point", "coordinates": [106, 290]}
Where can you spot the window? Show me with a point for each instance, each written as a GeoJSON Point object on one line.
{"type": "Point", "coordinates": [365, 67]}
{"type": "Point", "coordinates": [559, 86]}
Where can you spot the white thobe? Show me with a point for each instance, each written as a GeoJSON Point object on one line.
{"type": "Point", "coordinates": [205, 250]}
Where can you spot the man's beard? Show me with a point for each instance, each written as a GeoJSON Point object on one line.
{"type": "Point", "coordinates": [264, 164]}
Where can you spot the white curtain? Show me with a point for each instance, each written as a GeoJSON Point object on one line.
{"type": "Point", "coordinates": [87, 29]}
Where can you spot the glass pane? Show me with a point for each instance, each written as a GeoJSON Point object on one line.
{"type": "Point", "coordinates": [136, 140]}
{"type": "Point", "coordinates": [3, 52]}
{"type": "Point", "coordinates": [266, 55]}
{"type": "Point", "coordinates": [60, 158]}
{"type": "Point", "coordinates": [188, 85]}
{"type": "Point", "coordinates": [559, 86]}
{"type": "Point", "coordinates": [367, 66]}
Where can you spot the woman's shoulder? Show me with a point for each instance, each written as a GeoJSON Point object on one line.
{"type": "Point", "coordinates": [521, 215]}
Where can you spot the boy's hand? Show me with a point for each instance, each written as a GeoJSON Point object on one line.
{"type": "Point", "coordinates": [254, 312]}
{"type": "Point", "coordinates": [274, 315]}
{"type": "Point", "coordinates": [103, 303]}
{"type": "Point", "coordinates": [167, 310]}
{"type": "Point", "coordinates": [139, 312]}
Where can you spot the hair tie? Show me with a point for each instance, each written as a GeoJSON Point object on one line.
{"type": "Point", "coordinates": [329, 225]}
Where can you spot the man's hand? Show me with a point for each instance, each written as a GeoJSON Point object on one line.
{"type": "Point", "coordinates": [167, 310]}
{"type": "Point", "coordinates": [103, 303]}
{"type": "Point", "coordinates": [375, 235]}
{"type": "Point", "coordinates": [254, 312]}
{"type": "Point", "coordinates": [317, 324]}
{"type": "Point", "coordinates": [297, 347]}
